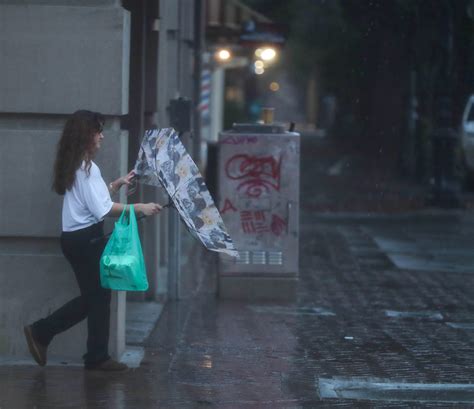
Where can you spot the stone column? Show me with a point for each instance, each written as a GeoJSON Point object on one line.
{"type": "Point", "coordinates": [57, 57]}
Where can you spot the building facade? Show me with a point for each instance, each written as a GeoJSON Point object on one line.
{"type": "Point", "coordinates": [131, 60]}
{"type": "Point", "coordinates": [127, 60]}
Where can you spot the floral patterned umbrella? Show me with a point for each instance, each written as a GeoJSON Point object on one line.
{"type": "Point", "coordinates": [163, 161]}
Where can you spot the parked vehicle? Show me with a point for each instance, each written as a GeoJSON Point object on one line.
{"type": "Point", "coordinates": [467, 140]}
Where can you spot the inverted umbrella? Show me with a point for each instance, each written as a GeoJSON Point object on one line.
{"type": "Point", "coordinates": [163, 161]}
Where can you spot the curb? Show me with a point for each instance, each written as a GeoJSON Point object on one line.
{"type": "Point", "coordinates": [415, 216]}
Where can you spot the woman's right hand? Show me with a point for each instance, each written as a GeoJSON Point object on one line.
{"type": "Point", "coordinates": [148, 209]}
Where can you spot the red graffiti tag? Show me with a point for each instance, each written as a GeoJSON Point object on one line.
{"type": "Point", "coordinates": [253, 222]}
{"type": "Point", "coordinates": [228, 206]}
{"type": "Point", "coordinates": [278, 225]}
{"type": "Point", "coordinates": [258, 174]}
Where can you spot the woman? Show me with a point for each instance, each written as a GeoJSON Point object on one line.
{"type": "Point", "coordinates": [86, 202]}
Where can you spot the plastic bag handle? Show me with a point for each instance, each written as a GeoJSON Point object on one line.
{"type": "Point", "coordinates": [132, 219]}
{"type": "Point", "coordinates": [130, 215]}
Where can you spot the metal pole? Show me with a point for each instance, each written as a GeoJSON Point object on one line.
{"type": "Point", "coordinates": [168, 61]}
{"type": "Point", "coordinates": [199, 26]}
{"type": "Point", "coordinates": [174, 251]}
{"type": "Point", "coordinates": [446, 191]}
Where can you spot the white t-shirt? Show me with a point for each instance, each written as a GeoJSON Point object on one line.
{"type": "Point", "coordinates": [88, 201]}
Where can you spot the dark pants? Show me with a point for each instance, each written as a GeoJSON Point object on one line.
{"type": "Point", "coordinates": [94, 301]}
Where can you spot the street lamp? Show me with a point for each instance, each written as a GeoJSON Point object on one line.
{"type": "Point", "coordinates": [223, 55]}
{"type": "Point", "coordinates": [259, 67]}
{"type": "Point", "coordinates": [267, 54]}
{"type": "Point", "coordinates": [274, 86]}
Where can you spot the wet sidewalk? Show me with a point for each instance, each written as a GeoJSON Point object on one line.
{"type": "Point", "coordinates": [363, 333]}
{"type": "Point", "coordinates": [370, 329]}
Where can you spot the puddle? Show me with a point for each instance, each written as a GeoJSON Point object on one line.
{"type": "Point", "coordinates": [386, 390]}
{"type": "Point", "coordinates": [264, 309]}
{"type": "Point", "coordinates": [461, 325]}
{"type": "Point", "coordinates": [429, 315]}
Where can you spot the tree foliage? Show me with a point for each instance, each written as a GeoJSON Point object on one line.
{"type": "Point", "coordinates": [376, 54]}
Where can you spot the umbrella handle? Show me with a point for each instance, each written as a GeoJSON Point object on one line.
{"type": "Point", "coordinates": [105, 236]}
{"type": "Point", "coordinates": [162, 207]}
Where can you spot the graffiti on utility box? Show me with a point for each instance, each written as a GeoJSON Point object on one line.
{"type": "Point", "coordinates": [256, 175]}
{"type": "Point", "coordinates": [256, 222]}
{"type": "Point", "coordinates": [258, 188]}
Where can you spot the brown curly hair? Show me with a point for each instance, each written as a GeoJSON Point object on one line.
{"type": "Point", "coordinates": [75, 146]}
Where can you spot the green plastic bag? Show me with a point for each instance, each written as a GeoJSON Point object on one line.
{"type": "Point", "coordinates": [122, 266]}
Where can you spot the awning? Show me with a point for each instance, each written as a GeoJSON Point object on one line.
{"type": "Point", "coordinates": [232, 22]}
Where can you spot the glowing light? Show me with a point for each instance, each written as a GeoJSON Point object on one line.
{"type": "Point", "coordinates": [223, 55]}
{"type": "Point", "coordinates": [268, 54]}
{"type": "Point", "coordinates": [259, 64]}
{"type": "Point", "coordinates": [274, 86]}
{"type": "Point", "coordinates": [207, 362]}
{"type": "Point", "coordinates": [258, 52]}
{"type": "Point", "coordinates": [259, 71]}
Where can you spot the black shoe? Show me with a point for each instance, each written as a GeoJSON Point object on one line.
{"type": "Point", "coordinates": [108, 366]}
{"type": "Point", "coordinates": [38, 351]}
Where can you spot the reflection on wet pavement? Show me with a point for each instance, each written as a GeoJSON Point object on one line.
{"type": "Point", "coordinates": [384, 390]}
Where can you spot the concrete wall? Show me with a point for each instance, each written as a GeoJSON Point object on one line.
{"type": "Point", "coordinates": [57, 57]}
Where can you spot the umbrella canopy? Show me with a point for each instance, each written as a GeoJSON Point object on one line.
{"type": "Point", "coordinates": [163, 161]}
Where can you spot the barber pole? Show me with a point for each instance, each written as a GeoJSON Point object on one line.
{"type": "Point", "coordinates": [205, 95]}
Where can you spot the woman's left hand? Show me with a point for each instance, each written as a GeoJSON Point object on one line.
{"type": "Point", "coordinates": [124, 180]}
{"type": "Point", "coordinates": [127, 180]}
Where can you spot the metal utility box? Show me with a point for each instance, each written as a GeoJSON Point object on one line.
{"type": "Point", "coordinates": [258, 196]}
